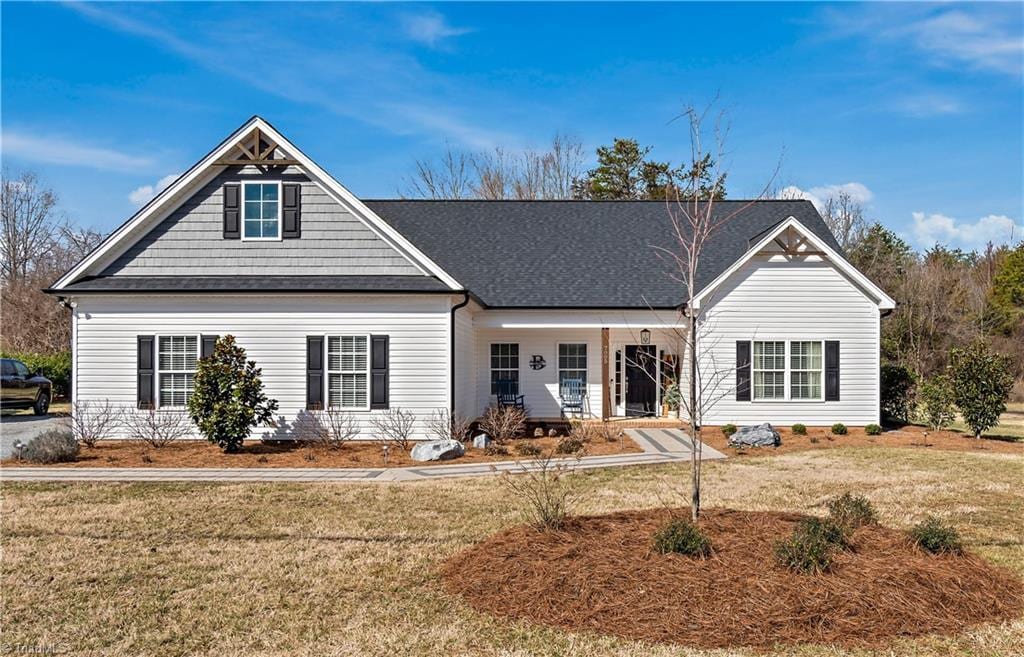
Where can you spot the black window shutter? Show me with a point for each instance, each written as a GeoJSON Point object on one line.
{"type": "Point", "coordinates": [291, 210]}
{"type": "Point", "coordinates": [379, 371]}
{"type": "Point", "coordinates": [314, 372]}
{"type": "Point", "coordinates": [742, 370]}
{"type": "Point", "coordinates": [232, 211]}
{"type": "Point", "coordinates": [832, 370]}
{"type": "Point", "coordinates": [209, 342]}
{"type": "Point", "coordinates": [146, 371]}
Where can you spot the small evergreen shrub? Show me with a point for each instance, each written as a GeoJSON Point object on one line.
{"type": "Point", "coordinates": [799, 429]}
{"type": "Point", "coordinates": [680, 536]}
{"type": "Point", "coordinates": [569, 445]}
{"type": "Point", "coordinates": [527, 449]}
{"type": "Point", "coordinates": [52, 446]}
{"type": "Point", "coordinates": [728, 430]}
{"type": "Point", "coordinates": [812, 546]}
{"type": "Point", "coordinates": [982, 381]}
{"type": "Point", "coordinates": [936, 536]}
{"type": "Point", "coordinates": [937, 402]}
{"type": "Point", "coordinates": [898, 390]}
{"type": "Point", "coordinates": [851, 511]}
{"type": "Point", "coordinates": [873, 430]}
{"type": "Point", "coordinates": [839, 429]}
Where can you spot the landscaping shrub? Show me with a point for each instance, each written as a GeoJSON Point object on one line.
{"type": "Point", "coordinates": [839, 429]}
{"type": "Point", "coordinates": [728, 430]}
{"type": "Point", "coordinates": [55, 367]}
{"type": "Point", "coordinates": [673, 398]}
{"type": "Point", "coordinates": [528, 449]}
{"type": "Point", "coordinates": [548, 493]}
{"type": "Point", "coordinates": [503, 423]}
{"type": "Point", "coordinates": [898, 384]}
{"type": "Point", "coordinates": [91, 422]}
{"type": "Point", "coordinates": [873, 430]}
{"type": "Point", "coordinates": [227, 400]}
{"type": "Point", "coordinates": [396, 425]}
{"type": "Point", "coordinates": [334, 427]}
{"type": "Point", "coordinates": [812, 546]}
{"type": "Point", "coordinates": [496, 450]}
{"type": "Point", "coordinates": [799, 429]}
{"type": "Point", "coordinates": [156, 428]}
{"type": "Point", "coordinates": [52, 446]}
{"type": "Point", "coordinates": [569, 445]}
{"type": "Point", "coordinates": [445, 425]}
{"type": "Point", "coordinates": [681, 536]}
{"type": "Point", "coordinates": [851, 511]}
{"type": "Point", "coordinates": [936, 400]}
{"type": "Point", "coordinates": [936, 536]}
{"type": "Point", "coordinates": [981, 385]}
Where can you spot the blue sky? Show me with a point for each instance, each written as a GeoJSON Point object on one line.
{"type": "Point", "coordinates": [914, 108]}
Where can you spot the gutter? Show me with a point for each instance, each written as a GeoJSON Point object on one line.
{"type": "Point", "coordinates": [451, 359]}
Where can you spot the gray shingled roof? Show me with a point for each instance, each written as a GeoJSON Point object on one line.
{"type": "Point", "coordinates": [582, 254]}
{"type": "Point", "coordinates": [375, 284]}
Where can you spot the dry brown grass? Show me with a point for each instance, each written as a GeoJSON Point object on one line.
{"type": "Point", "coordinates": [349, 569]}
{"type": "Point", "coordinates": [254, 454]}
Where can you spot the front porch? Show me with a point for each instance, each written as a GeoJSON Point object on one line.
{"type": "Point", "coordinates": [625, 362]}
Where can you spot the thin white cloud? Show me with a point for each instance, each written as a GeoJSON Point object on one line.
{"type": "Point", "coordinates": [141, 195]}
{"type": "Point", "coordinates": [858, 192]}
{"type": "Point", "coordinates": [430, 29]}
{"type": "Point", "coordinates": [927, 105]}
{"type": "Point", "coordinates": [369, 83]}
{"type": "Point", "coordinates": [931, 229]}
{"type": "Point", "coordinates": [68, 152]}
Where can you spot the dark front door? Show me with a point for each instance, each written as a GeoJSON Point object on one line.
{"type": "Point", "coordinates": [641, 380]}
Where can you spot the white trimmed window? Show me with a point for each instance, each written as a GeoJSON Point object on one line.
{"type": "Point", "coordinates": [504, 365]}
{"type": "Point", "coordinates": [348, 371]}
{"type": "Point", "coordinates": [261, 210]}
{"type": "Point", "coordinates": [805, 370]}
{"type": "Point", "coordinates": [572, 362]}
{"type": "Point", "coordinates": [769, 370]}
{"type": "Point", "coordinates": [176, 368]}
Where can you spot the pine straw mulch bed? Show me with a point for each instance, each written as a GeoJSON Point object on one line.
{"type": "Point", "coordinates": [599, 574]}
{"type": "Point", "coordinates": [293, 454]}
{"type": "Point", "coordinates": [909, 436]}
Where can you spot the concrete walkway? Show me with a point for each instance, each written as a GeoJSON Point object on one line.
{"type": "Point", "coordinates": [659, 445]}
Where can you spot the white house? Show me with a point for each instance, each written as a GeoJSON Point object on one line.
{"type": "Point", "coordinates": [429, 305]}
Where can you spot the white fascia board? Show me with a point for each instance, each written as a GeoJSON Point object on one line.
{"type": "Point", "coordinates": [879, 297]}
{"type": "Point", "coordinates": [204, 171]}
{"type": "Point", "coordinates": [568, 318]}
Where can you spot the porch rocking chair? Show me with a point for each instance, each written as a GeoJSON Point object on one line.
{"type": "Point", "coordinates": [572, 394]}
{"type": "Point", "coordinates": [508, 395]}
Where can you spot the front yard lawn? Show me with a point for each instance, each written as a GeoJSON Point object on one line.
{"type": "Point", "coordinates": [289, 569]}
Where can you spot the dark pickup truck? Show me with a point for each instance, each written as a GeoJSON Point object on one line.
{"type": "Point", "coordinates": [23, 389]}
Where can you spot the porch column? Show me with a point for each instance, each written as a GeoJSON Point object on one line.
{"type": "Point", "coordinates": [606, 391]}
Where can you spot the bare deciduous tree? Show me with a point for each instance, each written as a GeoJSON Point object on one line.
{"type": "Point", "coordinates": [844, 216]}
{"type": "Point", "coordinates": [31, 228]}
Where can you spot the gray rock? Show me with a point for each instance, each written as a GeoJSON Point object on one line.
{"type": "Point", "coordinates": [481, 441]}
{"type": "Point", "coordinates": [762, 435]}
{"type": "Point", "coordinates": [438, 450]}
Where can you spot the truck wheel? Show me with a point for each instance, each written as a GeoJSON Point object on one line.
{"type": "Point", "coordinates": [42, 404]}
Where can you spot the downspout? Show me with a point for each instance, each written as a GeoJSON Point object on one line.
{"type": "Point", "coordinates": [451, 359]}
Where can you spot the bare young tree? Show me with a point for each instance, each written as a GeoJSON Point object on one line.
{"type": "Point", "coordinates": [695, 218]}
{"type": "Point", "coordinates": [448, 178]}
{"type": "Point", "coordinates": [396, 425]}
{"type": "Point", "coordinates": [844, 216]}
{"type": "Point", "coordinates": [31, 228]}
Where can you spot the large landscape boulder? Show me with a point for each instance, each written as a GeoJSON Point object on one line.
{"type": "Point", "coordinates": [763, 435]}
{"type": "Point", "coordinates": [438, 450]}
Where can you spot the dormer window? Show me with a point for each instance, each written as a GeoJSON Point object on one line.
{"type": "Point", "coordinates": [261, 211]}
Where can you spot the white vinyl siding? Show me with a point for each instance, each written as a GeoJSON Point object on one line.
{"type": "Point", "coordinates": [272, 329]}
{"type": "Point", "coordinates": [794, 301]}
{"type": "Point", "coordinates": [348, 371]}
{"type": "Point", "coordinates": [176, 368]}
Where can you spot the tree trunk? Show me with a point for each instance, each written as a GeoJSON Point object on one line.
{"type": "Point", "coordinates": [694, 418]}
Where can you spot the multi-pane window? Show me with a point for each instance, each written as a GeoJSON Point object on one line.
{"type": "Point", "coordinates": [261, 213]}
{"type": "Point", "coordinates": [805, 368]}
{"type": "Point", "coordinates": [348, 371]}
{"type": "Point", "coordinates": [505, 366]}
{"type": "Point", "coordinates": [769, 370]}
{"type": "Point", "coordinates": [176, 361]}
{"type": "Point", "coordinates": [572, 362]}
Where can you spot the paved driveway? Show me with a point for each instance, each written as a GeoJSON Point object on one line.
{"type": "Point", "coordinates": [22, 427]}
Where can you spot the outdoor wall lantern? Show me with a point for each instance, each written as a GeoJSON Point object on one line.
{"type": "Point", "coordinates": [645, 336]}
